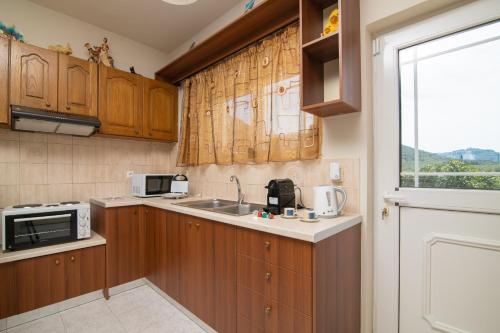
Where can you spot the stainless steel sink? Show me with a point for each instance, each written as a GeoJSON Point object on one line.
{"type": "Point", "coordinates": [222, 206]}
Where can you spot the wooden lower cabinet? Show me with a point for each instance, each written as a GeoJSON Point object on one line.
{"type": "Point", "coordinates": [4, 81]}
{"type": "Point", "coordinates": [37, 282]}
{"type": "Point", "coordinates": [240, 280]}
{"type": "Point", "coordinates": [123, 228]}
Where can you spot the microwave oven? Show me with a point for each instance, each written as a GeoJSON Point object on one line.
{"type": "Point", "coordinates": [150, 185]}
{"type": "Point", "coordinates": [35, 225]}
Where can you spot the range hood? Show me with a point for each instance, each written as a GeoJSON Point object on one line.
{"type": "Point", "coordinates": [36, 120]}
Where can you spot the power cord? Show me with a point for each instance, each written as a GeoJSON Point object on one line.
{"type": "Point", "coordinates": [300, 205]}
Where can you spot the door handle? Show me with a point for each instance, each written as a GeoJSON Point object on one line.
{"type": "Point", "coordinates": [394, 198]}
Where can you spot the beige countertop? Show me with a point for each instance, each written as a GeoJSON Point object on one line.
{"type": "Point", "coordinates": [293, 228]}
{"type": "Point", "coordinates": [94, 240]}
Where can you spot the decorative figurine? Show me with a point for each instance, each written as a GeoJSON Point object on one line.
{"type": "Point", "coordinates": [249, 5]}
{"type": "Point", "coordinates": [11, 33]}
{"type": "Point", "coordinates": [100, 54]}
{"type": "Point", "coordinates": [333, 23]}
{"type": "Point", "coordinates": [62, 49]}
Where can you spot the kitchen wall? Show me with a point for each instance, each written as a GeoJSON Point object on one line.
{"type": "Point", "coordinates": [43, 27]}
{"type": "Point", "coordinates": [37, 167]}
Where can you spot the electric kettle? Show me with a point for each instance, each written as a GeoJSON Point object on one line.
{"type": "Point", "coordinates": [326, 202]}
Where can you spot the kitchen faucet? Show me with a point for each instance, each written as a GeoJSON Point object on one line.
{"type": "Point", "coordinates": [240, 195]}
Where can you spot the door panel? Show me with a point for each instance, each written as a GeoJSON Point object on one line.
{"type": "Point", "coordinates": [4, 81]}
{"type": "Point", "coordinates": [160, 110]}
{"type": "Point", "coordinates": [171, 271]}
{"type": "Point", "coordinates": [77, 86]}
{"type": "Point", "coordinates": [120, 102]}
{"type": "Point", "coordinates": [450, 271]}
{"type": "Point", "coordinates": [33, 76]}
{"type": "Point", "coordinates": [85, 270]}
{"type": "Point", "coordinates": [8, 290]}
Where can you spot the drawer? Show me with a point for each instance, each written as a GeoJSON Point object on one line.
{"type": "Point", "coordinates": [251, 309]}
{"type": "Point", "coordinates": [281, 318]}
{"type": "Point", "coordinates": [285, 252]}
{"type": "Point", "coordinates": [276, 283]}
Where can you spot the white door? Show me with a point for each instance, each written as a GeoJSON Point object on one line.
{"type": "Point", "coordinates": [437, 174]}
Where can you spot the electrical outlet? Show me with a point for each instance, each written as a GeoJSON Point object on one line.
{"type": "Point", "coordinates": [129, 174]}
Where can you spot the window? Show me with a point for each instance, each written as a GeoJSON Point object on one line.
{"type": "Point", "coordinates": [450, 111]}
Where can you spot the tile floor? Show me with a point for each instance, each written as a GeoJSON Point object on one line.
{"type": "Point", "coordinates": [137, 310]}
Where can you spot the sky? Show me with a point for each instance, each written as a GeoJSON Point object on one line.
{"type": "Point", "coordinates": [458, 92]}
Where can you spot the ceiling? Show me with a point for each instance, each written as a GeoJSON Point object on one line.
{"type": "Point", "coordinates": [152, 22]}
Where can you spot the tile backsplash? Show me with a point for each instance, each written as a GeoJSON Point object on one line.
{"type": "Point", "coordinates": [36, 167]}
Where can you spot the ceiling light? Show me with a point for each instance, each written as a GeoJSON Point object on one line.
{"type": "Point", "coordinates": [180, 2]}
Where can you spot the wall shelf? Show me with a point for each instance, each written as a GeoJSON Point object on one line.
{"type": "Point", "coordinates": [325, 48]}
{"type": "Point", "coordinates": [250, 27]}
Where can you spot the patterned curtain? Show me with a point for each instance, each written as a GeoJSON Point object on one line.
{"type": "Point", "coordinates": [246, 109]}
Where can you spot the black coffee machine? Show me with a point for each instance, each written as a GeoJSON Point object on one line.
{"type": "Point", "coordinates": [280, 195]}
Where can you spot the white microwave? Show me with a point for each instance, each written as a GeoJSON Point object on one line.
{"type": "Point", "coordinates": [150, 185]}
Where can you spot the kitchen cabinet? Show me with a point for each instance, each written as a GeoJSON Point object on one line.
{"type": "Point", "coordinates": [162, 253]}
{"type": "Point", "coordinates": [120, 102]}
{"type": "Point", "coordinates": [53, 278]}
{"type": "Point", "coordinates": [160, 110]}
{"type": "Point", "coordinates": [197, 267]}
{"type": "Point", "coordinates": [77, 86]}
{"type": "Point", "coordinates": [4, 80]}
{"type": "Point", "coordinates": [123, 228]}
{"type": "Point", "coordinates": [8, 305]}
{"type": "Point", "coordinates": [33, 76]}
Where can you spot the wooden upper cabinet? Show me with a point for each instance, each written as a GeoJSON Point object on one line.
{"type": "Point", "coordinates": [77, 86]}
{"type": "Point", "coordinates": [120, 102]}
{"type": "Point", "coordinates": [4, 81]}
{"type": "Point", "coordinates": [33, 76]}
{"type": "Point", "coordinates": [160, 110]}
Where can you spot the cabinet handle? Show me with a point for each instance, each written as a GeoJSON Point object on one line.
{"type": "Point", "coordinates": [190, 224]}
{"type": "Point", "coordinates": [57, 262]}
{"type": "Point", "coordinates": [135, 212]}
{"type": "Point", "coordinates": [268, 310]}
{"type": "Point", "coordinates": [147, 211]}
{"type": "Point", "coordinates": [72, 258]}
{"type": "Point", "coordinates": [198, 225]}
{"type": "Point", "coordinates": [267, 245]}
{"type": "Point", "coordinates": [268, 276]}
{"type": "Point", "coordinates": [150, 134]}
{"type": "Point", "coordinates": [47, 104]}
{"type": "Point", "coordinates": [68, 107]}
{"type": "Point", "coordinates": [136, 131]}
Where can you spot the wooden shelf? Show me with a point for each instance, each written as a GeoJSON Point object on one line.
{"type": "Point", "coordinates": [329, 108]}
{"type": "Point", "coordinates": [252, 26]}
{"type": "Point", "coordinates": [324, 49]}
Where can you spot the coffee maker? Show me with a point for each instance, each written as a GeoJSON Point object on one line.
{"type": "Point", "coordinates": [280, 195]}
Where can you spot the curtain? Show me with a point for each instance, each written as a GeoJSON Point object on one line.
{"type": "Point", "coordinates": [246, 108]}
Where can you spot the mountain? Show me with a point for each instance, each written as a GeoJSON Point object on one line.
{"type": "Point", "coordinates": [473, 154]}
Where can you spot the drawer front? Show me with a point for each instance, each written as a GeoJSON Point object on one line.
{"type": "Point", "coordinates": [251, 273]}
{"type": "Point", "coordinates": [285, 252]}
{"type": "Point", "coordinates": [251, 308]}
{"type": "Point", "coordinates": [289, 288]}
{"type": "Point", "coordinates": [281, 318]}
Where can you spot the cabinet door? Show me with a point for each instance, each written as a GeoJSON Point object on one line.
{"type": "Point", "coordinates": [4, 81]}
{"type": "Point", "coordinates": [33, 76]}
{"type": "Point", "coordinates": [8, 305]}
{"type": "Point", "coordinates": [77, 86]}
{"type": "Point", "coordinates": [171, 271]}
{"type": "Point", "coordinates": [160, 110]}
{"type": "Point", "coordinates": [84, 271]}
{"type": "Point", "coordinates": [197, 267]}
{"type": "Point", "coordinates": [120, 102]}
{"type": "Point", "coordinates": [40, 282]}
{"type": "Point", "coordinates": [151, 263]}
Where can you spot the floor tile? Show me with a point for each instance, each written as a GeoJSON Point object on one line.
{"type": "Point", "coordinates": [50, 324]}
{"type": "Point", "coordinates": [91, 317]}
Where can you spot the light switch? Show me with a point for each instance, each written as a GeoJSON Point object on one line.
{"type": "Point", "coordinates": [335, 171]}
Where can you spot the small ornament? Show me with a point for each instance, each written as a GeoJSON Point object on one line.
{"type": "Point", "coordinates": [62, 49]}
{"type": "Point", "coordinates": [333, 23]}
{"type": "Point", "coordinates": [11, 32]}
{"type": "Point", "coordinates": [249, 5]}
{"type": "Point", "coordinates": [100, 54]}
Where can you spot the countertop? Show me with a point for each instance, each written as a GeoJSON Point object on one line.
{"type": "Point", "coordinates": [293, 228]}
{"type": "Point", "coordinates": [94, 240]}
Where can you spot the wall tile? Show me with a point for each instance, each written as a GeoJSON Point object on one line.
{"type": "Point", "coordinates": [33, 194]}
{"type": "Point", "coordinates": [82, 192]}
{"type": "Point", "coordinates": [83, 173]}
{"type": "Point", "coordinates": [9, 195]}
{"type": "Point", "coordinates": [9, 174]}
{"type": "Point", "coordinates": [7, 134]}
{"type": "Point", "coordinates": [60, 173]}
{"type": "Point", "coordinates": [83, 154]}
{"type": "Point", "coordinates": [9, 151]}
{"type": "Point", "coordinates": [33, 137]}
{"type": "Point", "coordinates": [60, 153]}
{"type": "Point", "coordinates": [33, 174]}
{"type": "Point", "coordinates": [59, 192]}
{"type": "Point", "coordinates": [33, 152]}
{"type": "Point", "coordinates": [60, 138]}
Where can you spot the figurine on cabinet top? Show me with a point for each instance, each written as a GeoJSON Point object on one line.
{"type": "Point", "coordinates": [100, 54]}
{"type": "Point", "coordinates": [67, 50]}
